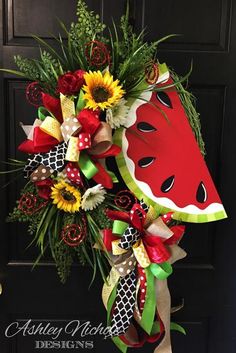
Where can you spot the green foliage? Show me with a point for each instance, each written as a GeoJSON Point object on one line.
{"type": "Point", "coordinates": [88, 26]}
{"type": "Point", "coordinates": [27, 67]}
{"type": "Point", "coordinates": [130, 54]}
{"type": "Point", "coordinates": [63, 259]}
{"type": "Point", "coordinates": [80, 255]}
{"type": "Point", "coordinates": [46, 227]}
{"type": "Point", "coordinates": [100, 218]}
{"type": "Point", "coordinates": [45, 71]}
{"type": "Point", "coordinates": [18, 215]}
{"type": "Point", "coordinates": [134, 55]}
{"type": "Point", "coordinates": [69, 57]}
{"type": "Point", "coordinates": [189, 103]}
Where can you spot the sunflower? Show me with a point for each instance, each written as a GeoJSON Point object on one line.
{"type": "Point", "coordinates": [66, 197]}
{"type": "Point", "coordinates": [101, 91]}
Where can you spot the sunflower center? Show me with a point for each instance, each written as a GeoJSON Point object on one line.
{"type": "Point", "coordinates": [67, 196]}
{"type": "Point", "coordinates": [100, 94]}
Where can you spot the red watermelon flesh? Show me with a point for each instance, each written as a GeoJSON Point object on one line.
{"type": "Point", "coordinates": [161, 160]}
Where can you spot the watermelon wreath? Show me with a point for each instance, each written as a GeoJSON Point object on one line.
{"type": "Point", "coordinates": [115, 163]}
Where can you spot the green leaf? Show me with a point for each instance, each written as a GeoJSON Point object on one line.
{"type": "Point", "coordinates": [83, 247]}
{"type": "Point", "coordinates": [45, 226]}
{"type": "Point", "coordinates": [177, 327]}
{"type": "Point", "coordinates": [48, 46]}
{"type": "Point", "coordinates": [166, 37]}
{"type": "Point", "coordinates": [14, 72]}
{"type": "Point", "coordinates": [81, 102]}
{"type": "Point", "coordinates": [12, 171]}
{"type": "Point", "coordinates": [36, 262]}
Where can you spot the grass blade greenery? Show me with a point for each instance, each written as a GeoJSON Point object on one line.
{"type": "Point", "coordinates": [14, 72]}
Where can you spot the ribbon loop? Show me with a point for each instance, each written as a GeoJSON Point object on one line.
{"type": "Point", "coordinates": [72, 153]}
{"type": "Point", "coordinates": [87, 167]}
{"type": "Point", "coordinates": [141, 254]}
{"type": "Point", "coordinates": [161, 271]}
{"type": "Point", "coordinates": [84, 141]}
{"type": "Point", "coordinates": [125, 263]}
{"type": "Point", "coordinates": [119, 227]}
{"type": "Point", "coordinates": [102, 139]}
{"type": "Point", "coordinates": [116, 249]}
{"type": "Point", "coordinates": [159, 228]}
{"type": "Point", "coordinates": [67, 106]}
{"type": "Point", "coordinates": [129, 238]}
{"type": "Point", "coordinates": [70, 127]}
{"type": "Point", "coordinates": [52, 127]}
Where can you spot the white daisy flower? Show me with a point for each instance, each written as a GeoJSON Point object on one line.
{"type": "Point", "coordinates": [93, 197]}
{"type": "Point", "coordinates": [117, 115]}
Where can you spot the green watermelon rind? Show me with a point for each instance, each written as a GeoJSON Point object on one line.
{"type": "Point", "coordinates": [178, 215]}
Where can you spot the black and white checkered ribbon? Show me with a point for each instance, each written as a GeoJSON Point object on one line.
{"type": "Point", "coordinates": [54, 159]}
{"type": "Point", "coordinates": [126, 290]}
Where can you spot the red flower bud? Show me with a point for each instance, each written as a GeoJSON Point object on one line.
{"type": "Point", "coordinates": [44, 188]}
{"type": "Point", "coordinates": [70, 83]}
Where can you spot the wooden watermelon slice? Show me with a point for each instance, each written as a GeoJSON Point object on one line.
{"type": "Point", "coordinates": [161, 161]}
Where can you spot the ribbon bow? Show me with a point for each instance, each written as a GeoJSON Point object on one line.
{"type": "Point", "coordinates": [87, 140]}
{"type": "Point", "coordinates": [145, 234]}
{"type": "Point", "coordinates": [143, 244]}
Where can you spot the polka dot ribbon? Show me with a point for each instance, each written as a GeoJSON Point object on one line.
{"type": "Point", "coordinates": [95, 143]}
{"type": "Point", "coordinates": [142, 288]}
{"type": "Point", "coordinates": [73, 173]}
{"type": "Point", "coordinates": [41, 173]}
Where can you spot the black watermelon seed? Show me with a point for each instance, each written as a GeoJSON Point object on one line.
{"type": "Point", "coordinates": [146, 162]}
{"type": "Point", "coordinates": [168, 184]}
{"type": "Point", "coordinates": [145, 127]}
{"type": "Point", "coordinates": [201, 195]}
{"type": "Point", "coordinates": [164, 99]}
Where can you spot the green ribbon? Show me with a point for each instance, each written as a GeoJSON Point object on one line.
{"type": "Point", "coordinates": [41, 113]}
{"type": "Point", "coordinates": [87, 167]}
{"type": "Point", "coordinates": [155, 328]}
{"type": "Point", "coordinates": [149, 309]}
{"type": "Point", "coordinates": [110, 303]}
{"type": "Point", "coordinates": [161, 271]}
{"type": "Point", "coordinates": [119, 227]}
{"type": "Point", "coordinates": [173, 326]}
{"type": "Point", "coordinates": [176, 327]}
{"type": "Point", "coordinates": [117, 341]}
{"type": "Point", "coordinates": [120, 344]}
{"type": "Point", "coordinates": [163, 68]}
{"type": "Point", "coordinates": [113, 176]}
{"type": "Point", "coordinates": [80, 103]}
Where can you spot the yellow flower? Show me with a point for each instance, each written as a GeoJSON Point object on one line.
{"type": "Point", "coordinates": [101, 91]}
{"type": "Point", "coordinates": [66, 197]}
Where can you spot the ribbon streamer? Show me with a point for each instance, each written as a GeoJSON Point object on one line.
{"type": "Point", "coordinates": [164, 302]}
{"type": "Point", "coordinates": [124, 306]}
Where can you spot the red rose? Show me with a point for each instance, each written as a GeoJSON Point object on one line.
{"type": "Point", "coordinates": [70, 83]}
{"type": "Point", "coordinates": [44, 188]}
